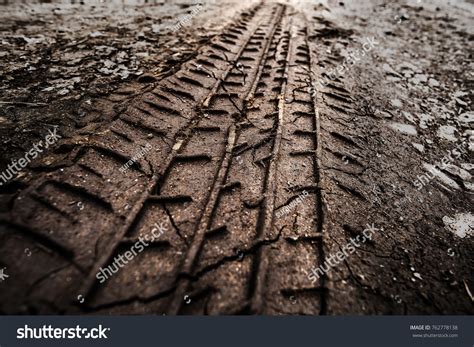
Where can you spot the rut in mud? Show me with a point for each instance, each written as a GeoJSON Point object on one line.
{"type": "Point", "coordinates": [225, 156]}
{"type": "Point", "coordinates": [218, 131]}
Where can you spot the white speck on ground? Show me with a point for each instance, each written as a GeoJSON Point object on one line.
{"type": "Point", "coordinates": [461, 224]}
{"type": "Point", "coordinates": [404, 128]}
{"type": "Point", "coordinates": [419, 147]}
{"type": "Point", "coordinates": [447, 132]}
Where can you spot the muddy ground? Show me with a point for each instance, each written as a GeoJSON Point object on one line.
{"type": "Point", "coordinates": [59, 59]}
{"type": "Point", "coordinates": [274, 134]}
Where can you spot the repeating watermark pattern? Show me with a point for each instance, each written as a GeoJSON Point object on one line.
{"type": "Point", "coordinates": [424, 179]}
{"type": "Point", "coordinates": [186, 19]}
{"type": "Point", "coordinates": [293, 300]}
{"type": "Point", "coordinates": [140, 154]}
{"type": "Point", "coordinates": [17, 165]}
{"type": "Point", "coordinates": [350, 60]}
{"type": "Point", "coordinates": [447, 160]}
{"type": "Point", "coordinates": [397, 299]}
{"type": "Point", "coordinates": [342, 255]}
{"type": "Point", "coordinates": [123, 259]}
{"type": "Point", "coordinates": [288, 208]}
{"type": "Point", "coordinates": [3, 275]}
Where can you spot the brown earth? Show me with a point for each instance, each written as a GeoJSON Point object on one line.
{"type": "Point", "coordinates": [256, 146]}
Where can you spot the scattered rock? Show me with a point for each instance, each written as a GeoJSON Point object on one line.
{"type": "Point", "coordinates": [460, 102]}
{"type": "Point", "coordinates": [426, 120]}
{"type": "Point", "coordinates": [419, 147]}
{"type": "Point", "coordinates": [447, 132]}
{"type": "Point", "coordinates": [461, 224]}
{"type": "Point", "coordinates": [419, 78]}
{"type": "Point", "coordinates": [467, 117]}
{"type": "Point", "coordinates": [95, 34]}
{"type": "Point", "coordinates": [404, 128]}
{"type": "Point", "coordinates": [409, 117]}
{"type": "Point", "coordinates": [433, 83]}
{"type": "Point", "coordinates": [396, 103]}
{"type": "Point", "coordinates": [390, 71]}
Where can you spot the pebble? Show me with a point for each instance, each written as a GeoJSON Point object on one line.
{"type": "Point", "coordinates": [407, 129]}
{"type": "Point", "coordinates": [419, 147]}
{"type": "Point", "coordinates": [433, 83]}
{"type": "Point", "coordinates": [396, 103]}
{"type": "Point", "coordinates": [447, 132]}
{"type": "Point", "coordinates": [390, 71]}
{"type": "Point", "coordinates": [419, 78]}
{"type": "Point", "coordinates": [460, 102]}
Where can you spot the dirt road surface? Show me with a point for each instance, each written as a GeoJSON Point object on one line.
{"type": "Point", "coordinates": [277, 158]}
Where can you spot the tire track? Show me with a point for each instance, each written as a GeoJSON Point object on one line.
{"type": "Point", "coordinates": [98, 160]}
{"type": "Point", "coordinates": [225, 145]}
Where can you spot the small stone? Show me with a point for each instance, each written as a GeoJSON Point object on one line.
{"type": "Point", "coordinates": [407, 129]}
{"type": "Point", "coordinates": [419, 78]}
{"type": "Point", "coordinates": [396, 103]}
{"type": "Point", "coordinates": [409, 117]}
{"type": "Point", "coordinates": [95, 34]}
{"type": "Point", "coordinates": [467, 117]}
{"type": "Point", "coordinates": [390, 71]}
{"type": "Point", "coordinates": [460, 102]}
{"type": "Point", "coordinates": [460, 94]}
{"type": "Point", "coordinates": [419, 147]}
{"type": "Point", "coordinates": [433, 83]}
{"type": "Point", "coordinates": [385, 114]}
{"type": "Point", "coordinates": [408, 66]}
{"type": "Point", "coordinates": [447, 132]}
